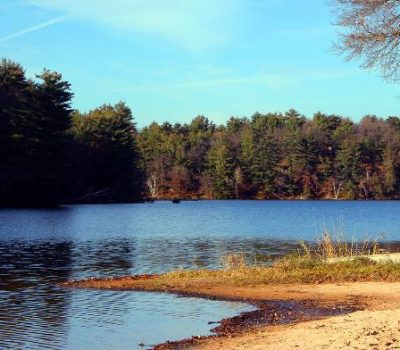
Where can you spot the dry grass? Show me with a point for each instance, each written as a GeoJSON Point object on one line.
{"type": "Point", "coordinates": [335, 246]}
{"type": "Point", "coordinates": [296, 269]}
{"type": "Point", "coordinates": [307, 265]}
{"type": "Point", "coordinates": [234, 261]}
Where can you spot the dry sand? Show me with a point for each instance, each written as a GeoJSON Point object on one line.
{"type": "Point", "coordinates": [376, 327]}
{"type": "Point", "coordinates": [359, 330]}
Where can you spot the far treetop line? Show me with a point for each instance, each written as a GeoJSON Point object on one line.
{"type": "Point", "coordinates": [51, 154]}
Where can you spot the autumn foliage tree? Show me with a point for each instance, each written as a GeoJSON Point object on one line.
{"type": "Point", "coordinates": [275, 156]}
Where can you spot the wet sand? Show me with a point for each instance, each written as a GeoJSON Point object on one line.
{"type": "Point", "coordinates": [271, 313]}
{"type": "Point", "coordinates": [294, 316]}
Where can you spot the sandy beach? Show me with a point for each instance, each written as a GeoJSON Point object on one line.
{"type": "Point", "coordinates": [359, 330]}
{"type": "Point", "coordinates": [376, 324]}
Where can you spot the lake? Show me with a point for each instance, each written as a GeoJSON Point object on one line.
{"type": "Point", "coordinates": [39, 248]}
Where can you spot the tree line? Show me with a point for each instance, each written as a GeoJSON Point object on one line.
{"type": "Point", "coordinates": [273, 156]}
{"type": "Point", "coordinates": [52, 154]}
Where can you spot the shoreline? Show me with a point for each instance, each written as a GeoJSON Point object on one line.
{"type": "Point", "coordinates": [280, 307]}
{"type": "Point", "coordinates": [63, 204]}
{"type": "Point", "coordinates": [267, 314]}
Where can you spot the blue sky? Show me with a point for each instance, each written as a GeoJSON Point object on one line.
{"type": "Point", "coordinates": [172, 60]}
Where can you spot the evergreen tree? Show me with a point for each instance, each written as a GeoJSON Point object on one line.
{"type": "Point", "coordinates": [35, 117]}
{"type": "Point", "coordinates": [263, 167]}
{"type": "Point", "coordinates": [221, 169]}
{"type": "Point", "coordinates": [13, 108]}
{"type": "Point", "coordinates": [348, 167]}
{"type": "Point", "coordinates": [108, 133]}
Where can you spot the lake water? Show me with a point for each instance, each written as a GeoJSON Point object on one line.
{"type": "Point", "coordinates": [39, 248]}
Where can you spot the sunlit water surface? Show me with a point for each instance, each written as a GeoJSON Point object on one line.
{"type": "Point", "coordinates": [39, 248]}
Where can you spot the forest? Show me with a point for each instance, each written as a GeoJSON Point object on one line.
{"type": "Point", "coordinates": [51, 154]}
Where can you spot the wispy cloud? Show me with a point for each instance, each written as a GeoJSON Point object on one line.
{"type": "Point", "coordinates": [194, 24]}
{"type": "Point", "coordinates": [268, 81]}
{"type": "Point", "coordinates": [32, 29]}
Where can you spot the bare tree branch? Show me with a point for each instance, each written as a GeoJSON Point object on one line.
{"type": "Point", "coordinates": [370, 31]}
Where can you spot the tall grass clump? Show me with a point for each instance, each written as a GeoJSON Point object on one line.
{"type": "Point", "coordinates": [336, 246]}
{"type": "Point", "coordinates": [234, 261]}
{"type": "Point", "coordinates": [310, 263]}
{"type": "Point", "coordinates": [308, 255]}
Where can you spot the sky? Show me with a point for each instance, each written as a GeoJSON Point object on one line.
{"type": "Point", "coordinates": [171, 60]}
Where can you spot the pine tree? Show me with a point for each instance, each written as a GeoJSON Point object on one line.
{"type": "Point", "coordinates": [263, 167]}
{"type": "Point", "coordinates": [34, 119]}
{"type": "Point", "coordinates": [221, 169]}
{"type": "Point", "coordinates": [112, 171]}
{"type": "Point", "coordinates": [348, 166]}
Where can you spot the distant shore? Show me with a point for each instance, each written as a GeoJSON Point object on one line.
{"type": "Point", "coordinates": [194, 197]}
